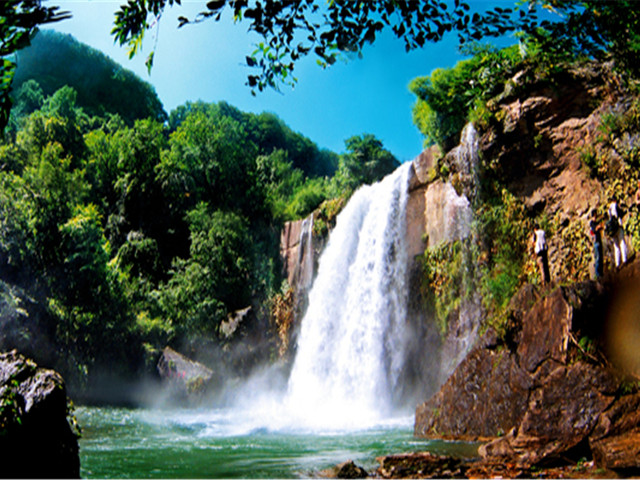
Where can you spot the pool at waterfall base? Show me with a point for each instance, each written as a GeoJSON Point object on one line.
{"type": "Point", "coordinates": [220, 443]}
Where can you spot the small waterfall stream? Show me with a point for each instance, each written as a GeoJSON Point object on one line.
{"type": "Point", "coordinates": [350, 349]}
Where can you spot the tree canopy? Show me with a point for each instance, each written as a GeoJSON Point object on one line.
{"type": "Point", "coordinates": [294, 29]}
{"type": "Point", "coordinates": [54, 60]}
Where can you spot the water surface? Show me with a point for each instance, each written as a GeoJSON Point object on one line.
{"type": "Point", "coordinates": [216, 443]}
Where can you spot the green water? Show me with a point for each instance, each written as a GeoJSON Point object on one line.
{"type": "Point", "coordinates": [146, 443]}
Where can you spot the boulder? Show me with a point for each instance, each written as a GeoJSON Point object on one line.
{"type": "Point", "coordinates": [349, 469]}
{"type": "Point", "coordinates": [615, 440]}
{"type": "Point", "coordinates": [421, 465]}
{"type": "Point", "coordinates": [485, 396]}
{"type": "Point", "coordinates": [560, 414]}
{"type": "Point", "coordinates": [185, 376]}
{"type": "Point", "coordinates": [35, 422]}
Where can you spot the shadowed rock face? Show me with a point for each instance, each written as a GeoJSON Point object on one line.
{"type": "Point", "coordinates": [539, 391]}
{"type": "Point", "coordinates": [36, 439]}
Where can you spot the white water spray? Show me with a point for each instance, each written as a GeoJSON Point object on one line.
{"type": "Point", "coordinates": [350, 348]}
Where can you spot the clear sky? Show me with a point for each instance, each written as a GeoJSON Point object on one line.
{"type": "Point", "coordinates": [205, 62]}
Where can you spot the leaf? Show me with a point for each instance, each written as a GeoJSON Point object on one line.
{"type": "Point", "coordinates": [149, 63]}
{"type": "Point", "coordinates": [251, 61]}
{"type": "Point", "coordinates": [216, 4]}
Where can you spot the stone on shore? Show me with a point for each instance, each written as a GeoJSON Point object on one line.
{"type": "Point", "coordinates": [38, 437]}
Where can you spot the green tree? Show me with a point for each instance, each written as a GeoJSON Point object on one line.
{"type": "Point", "coordinates": [17, 229]}
{"type": "Point", "coordinates": [94, 323]}
{"type": "Point", "coordinates": [86, 253]}
{"type": "Point", "coordinates": [280, 180]}
{"type": "Point", "coordinates": [216, 277]}
{"type": "Point", "coordinates": [447, 96]}
{"type": "Point", "coordinates": [366, 161]}
{"type": "Point", "coordinates": [56, 188]}
{"type": "Point", "coordinates": [211, 160]}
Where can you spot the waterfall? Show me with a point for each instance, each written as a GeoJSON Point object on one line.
{"type": "Point", "coordinates": [350, 349]}
{"type": "Point", "coordinates": [305, 254]}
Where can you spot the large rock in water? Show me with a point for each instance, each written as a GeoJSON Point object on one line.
{"type": "Point", "coordinates": [186, 377]}
{"type": "Point", "coordinates": [36, 437]}
{"type": "Point", "coordinates": [543, 390]}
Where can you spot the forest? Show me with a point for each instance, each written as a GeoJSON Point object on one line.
{"type": "Point", "coordinates": [124, 229]}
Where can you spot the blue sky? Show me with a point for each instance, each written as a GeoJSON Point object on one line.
{"type": "Point", "coordinates": [205, 62]}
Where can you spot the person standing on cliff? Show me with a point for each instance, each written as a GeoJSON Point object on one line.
{"type": "Point", "coordinates": [540, 249]}
{"type": "Point", "coordinates": [615, 230]}
{"type": "Point", "coordinates": [595, 231]}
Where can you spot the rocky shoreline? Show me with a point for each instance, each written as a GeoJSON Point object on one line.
{"type": "Point", "coordinates": [546, 397]}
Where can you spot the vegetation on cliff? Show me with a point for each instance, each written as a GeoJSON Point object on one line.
{"type": "Point", "coordinates": [523, 100]}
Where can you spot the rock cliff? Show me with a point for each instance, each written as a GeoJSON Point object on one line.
{"type": "Point", "coordinates": [37, 439]}
{"type": "Point", "coordinates": [546, 391]}
{"type": "Point", "coordinates": [558, 379]}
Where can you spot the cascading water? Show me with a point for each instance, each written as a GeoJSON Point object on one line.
{"type": "Point", "coordinates": [350, 348]}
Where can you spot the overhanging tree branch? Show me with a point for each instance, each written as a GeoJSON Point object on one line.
{"type": "Point", "coordinates": [19, 20]}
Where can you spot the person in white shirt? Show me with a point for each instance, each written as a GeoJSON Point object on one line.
{"type": "Point", "coordinates": [616, 232]}
{"type": "Point", "coordinates": [540, 249]}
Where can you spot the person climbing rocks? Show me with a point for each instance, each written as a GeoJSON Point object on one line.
{"type": "Point", "coordinates": [614, 229]}
{"type": "Point", "coordinates": [540, 249]}
{"type": "Point", "coordinates": [595, 231]}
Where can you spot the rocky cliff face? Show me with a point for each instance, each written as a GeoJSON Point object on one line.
{"type": "Point", "coordinates": [542, 146]}
{"type": "Point", "coordinates": [298, 253]}
{"type": "Point", "coordinates": [554, 383]}
{"type": "Point", "coordinates": [36, 438]}
{"type": "Point", "coordinates": [546, 391]}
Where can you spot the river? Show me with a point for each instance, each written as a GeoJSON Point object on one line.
{"type": "Point", "coordinates": [212, 443]}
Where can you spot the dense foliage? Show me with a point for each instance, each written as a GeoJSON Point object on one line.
{"type": "Point", "coordinates": [54, 60]}
{"type": "Point", "coordinates": [447, 98]}
{"type": "Point", "coordinates": [127, 237]}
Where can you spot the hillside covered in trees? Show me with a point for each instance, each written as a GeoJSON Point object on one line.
{"type": "Point", "coordinates": [124, 229]}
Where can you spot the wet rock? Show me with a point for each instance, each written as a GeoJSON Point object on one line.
{"type": "Point", "coordinates": [298, 254]}
{"type": "Point", "coordinates": [615, 441]}
{"type": "Point", "coordinates": [423, 166]}
{"type": "Point", "coordinates": [349, 469]}
{"type": "Point", "coordinates": [34, 422]}
{"type": "Point", "coordinates": [486, 396]}
{"type": "Point", "coordinates": [185, 376]}
{"type": "Point", "coordinates": [447, 215]}
{"type": "Point", "coordinates": [421, 465]}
